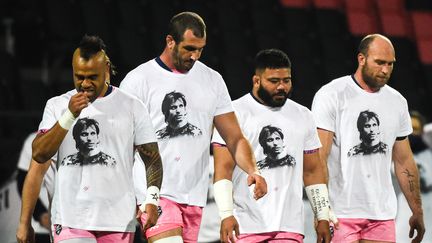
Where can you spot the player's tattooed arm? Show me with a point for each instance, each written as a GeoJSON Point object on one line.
{"type": "Point", "coordinates": [408, 177]}
{"type": "Point", "coordinates": [149, 153]}
{"type": "Point", "coordinates": [407, 174]}
{"type": "Point", "coordinates": [413, 184]}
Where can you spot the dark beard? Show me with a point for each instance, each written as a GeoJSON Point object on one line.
{"type": "Point", "coordinates": [371, 82]}
{"type": "Point", "coordinates": [179, 63]}
{"type": "Point", "coordinates": [267, 98]}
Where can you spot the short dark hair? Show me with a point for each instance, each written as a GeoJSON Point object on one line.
{"type": "Point", "coordinates": [184, 21]}
{"type": "Point", "coordinates": [90, 45]}
{"type": "Point", "coordinates": [271, 58]}
{"type": "Point", "coordinates": [81, 125]}
{"type": "Point", "coordinates": [169, 99]}
{"type": "Point", "coordinates": [365, 116]}
{"type": "Point", "coordinates": [265, 133]}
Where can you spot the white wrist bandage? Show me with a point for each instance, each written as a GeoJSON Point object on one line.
{"type": "Point", "coordinates": [224, 198]}
{"type": "Point", "coordinates": [318, 198]}
{"type": "Point", "coordinates": [152, 197]}
{"type": "Point", "coordinates": [66, 120]}
{"type": "Point", "coordinates": [257, 173]}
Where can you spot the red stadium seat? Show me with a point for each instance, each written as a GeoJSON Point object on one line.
{"type": "Point", "coordinates": [422, 24]}
{"type": "Point", "coordinates": [424, 48]}
{"type": "Point", "coordinates": [329, 4]}
{"type": "Point", "coordinates": [295, 3]}
{"type": "Point", "coordinates": [391, 6]}
{"type": "Point", "coordinates": [360, 5]}
{"type": "Point", "coordinates": [395, 24]}
{"type": "Point", "coordinates": [362, 23]}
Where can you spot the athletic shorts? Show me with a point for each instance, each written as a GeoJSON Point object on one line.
{"type": "Point", "coordinates": [62, 233]}
{"type": "Point", "coordinates": [364, 229]}
{"type": "Point", "coordinates": [176, 215]}
{"type": "Point", "coordinates": [279, 237]}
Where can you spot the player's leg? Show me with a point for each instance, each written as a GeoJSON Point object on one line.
{"type": "Point", "coordinates": [192, 216]}
{"type": "Point", "coordinates": [379, 231]}
{"type": "Point", "coordinates": [70, 235]}
{"type": "Point", "coordinates": [287, 237]}
{"type": "Point", "coordinates": [114, 237]}
{"type": "Point", "coordinates": [253, 238]}
{"type": "Point", "coordinates": [169, 224]}
{"type": "Point", "coordinates": [349, 230]}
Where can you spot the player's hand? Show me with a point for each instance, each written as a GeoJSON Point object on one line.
{"type": "Point", "coordinates": [25, 234]}
{"type": "Point", "coordinates": [228, 225]}
{"type": "Point", "coordinates": [45, 221]}
{"type": "Point", "coordinates": [151, 212]}
{"type": "Point", "coordinates": [323, 232]}
{"type": "Point", "coordinates": [416, 224]}
{"type": "Point", "coordinates": [78, 102]}
{"type": "Point", "coordinates": [260, 184]}
{"type": "Point", "coordinates": [333, 219]}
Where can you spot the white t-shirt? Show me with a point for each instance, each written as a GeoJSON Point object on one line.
{"type": "Point", "coordinates": [24, 164]}
{"type": "Point", "coordinates": [97, 192]}
{"type": "Point", "coordinates": [360, 183]}
{"type": "Point", "coordinates": [10, 207]}
{"type": "Point", "coordinates": [279, 137]}
{"type": "Point", "coordinates": [210, 222]}
{"type": "Point", "coordinates": [199, 96]}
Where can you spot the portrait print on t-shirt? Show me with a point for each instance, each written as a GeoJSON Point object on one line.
{"type": "Point", "coordinates": [86, 135]}
{"type": "Point", "coordinates": [271, 140]}
{"type": "Point", "coordinates": [368, 125]}
{"type": "Point", "coordinates": [175, 112]}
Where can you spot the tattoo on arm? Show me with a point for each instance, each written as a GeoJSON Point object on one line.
{"type": "Point", "coordinates": [150, 155]}
{"type": "Point", "coordinates": [410, 179]}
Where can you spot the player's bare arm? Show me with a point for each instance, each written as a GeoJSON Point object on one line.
{"type": "Point", "coordinates": [240, 149]}
{"type": "Point", "coordinates": [326, 138]}
{"type": "Point", "coordinates": [47, 143]}
{"type": "Point", "coordinates": [408, 178]}
{"type": "Point", "coordinates": [30, 195]}
{"type": "Point", "coordinates": [314, 179]}
{"type": "Point", "coordinates": [150, 155]}
{"type": "Point", "coordinates": [224, 165]}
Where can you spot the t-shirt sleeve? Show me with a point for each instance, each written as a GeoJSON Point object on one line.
{"type": "Point", "coordinates": [217, 137]}
{"type": "Point", "coordinates": [26, 153]}
{"type": "Point", "coordinates": [324, 110]}
{"type": "Point", "coordinates": [311, 141]}
{"type": "Point", "coordinates": [224, 100]}
{"type": "Point", "coordinates": [405, 127]}
{"type": "Point", "coordinates": [48, 118]}
{"type": "Point", "coordinates": [130, 84]}
{"type": "Point", "coordinates": [144, 131]}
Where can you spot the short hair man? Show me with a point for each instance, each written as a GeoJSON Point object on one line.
{"type": "Point", "coordinates": [185, 158]}
{"type": "Point", "coordinates": [360, 186]}
{"type": "Point", "coordinates": [174, 109]}
{"type": "Point", "coordinates": [368, 126]}
{"type": "Point", "coordinates": [279, 215]}
{"type": "Point", "coordinates": [93, 203]}
{"type": "Point", "coordinates": [271, 140]}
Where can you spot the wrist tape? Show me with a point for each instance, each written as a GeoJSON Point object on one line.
{"type": "Point", "coordinates": [152, 197]}
{"type": "Point", "coordinates": [66, 120]}
{"type": "Point", "coordinates": [224, 198]}
{"type": "Point", "coordinates": [319, 200]}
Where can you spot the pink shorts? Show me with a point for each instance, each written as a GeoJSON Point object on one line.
{"type": "Point", "coordinates": [280, 237]}
{"type": "Point", "coordinates": [364, 229]}
{"type": "Point", "coordinates": [176, 215]}
{"type": "Point", "coordinates": [65, 233]}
